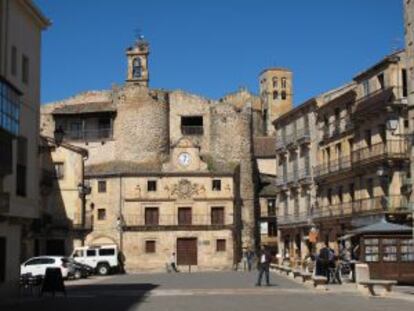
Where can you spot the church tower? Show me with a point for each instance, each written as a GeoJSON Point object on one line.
{"type": "Point", "coordinates": [137, 56]}
{"type": "Point", "coordinates": [276, 95]}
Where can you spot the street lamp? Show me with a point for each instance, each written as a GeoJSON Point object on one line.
{"type": "Point", "coordinates": [58, 135]}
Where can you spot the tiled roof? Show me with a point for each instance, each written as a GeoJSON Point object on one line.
{"type": "Point", "coordinates": [121, 167]}
{"type": "Point", "coordinates": [265, 147]}
{"type": "Point", "coordinates": [85, 108]}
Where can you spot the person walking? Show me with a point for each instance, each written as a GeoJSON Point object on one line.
{"type": "Point", "coordinates": [324, 256]}
{"type": "Point", "coordinates": [263, 264]}
{"type": "Point", "coordinates": [245, 259]}
{"type": "Point", "coordinates": [173, 262]}
{"type": "Point", "coordinates": [250, 257]}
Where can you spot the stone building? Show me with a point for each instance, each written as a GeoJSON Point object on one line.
{"type": "Point", "coordinates": [296, 147]}
{"type": "Point", "coordinates": [362, 165]}
{"type": "Point", "coordinates": [169, 171]}
{"type": "Point", "coordinates": [21, 25]}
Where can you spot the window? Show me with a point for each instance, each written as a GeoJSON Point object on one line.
{"type": "Point", "coordinates": [90, 253]}
{"type": "Point", "coordinates": [365, 86]}
{"type": "Point", "coordinates": [221, 245]}
{"type": "Point", "coordinates": [151, 216]}
{"type": "Point", "coordinates": [217, 215]}
{"type": "Point", "coordinates": [271, 207]}
{"type": "Point", "coordinates": [407, 249]}
{"type": "Point", "coordinates": [101, 214]}
{"type": "Point", "coordinates": [329, 196]}
{"type": "Point", "coordinates": [368, 138]}
{"type": "Point", "coordinates": [101, 186]}
{"type": "Point", "coordinates": [283, 95]}
{"type": "Point", "coordinates": [25, 69]}
{"type": "Point", "coordinates": [21, 169]}
{"type": "Point", "coordinates": [106, 252]}
{"type": "Point", "coordinates": [383, 133]}
{"type": "Point", "coordinates": [216, 186]}
{"type": "Point", "coordinates": [14, 61]}
{"type": "Point", "coordinates": [340, 194]}
{"type": "Point", "coordinates": [283, 83]}
{"type": "Point", "coordinates": [152, 185]}
{"type": "Point", "coordinates": [136, 68]}
{"type": "Point", "coordinates": [184, 216]}
{"type": "Point", "coordinates": [59, 170]}
{"type": "Point", "coordinates": [2, 259]}
{"type": "Point", "coordinates": [78, 253]}
{"type": "Point", "coordinates": [192, 125]}
{"type": "Point", "coordinates": [104, 128]}
{"type": "Point", "coordinates": [352, 191]}
{"type": "Point", "coordinates": [150, 246]}
{"type": "Point", "coordinates": [389, 250]}
{"type": "Point", "coordinates": [9, 109]}
{"type": "Point", "coordinates": [370, 187]}
{"type": "Point", "coordinates": [371, 250]}
{"type": "Point", "coordinates": [275, 80]}
{"type": "Point", "coordinates": [404, 83]}
{"type": "Point", "coordinates": [275, 94]}
{"type": "Point", "coordinates": [271, 228]}
{"type": "Point", "coordinates": [381, 81]}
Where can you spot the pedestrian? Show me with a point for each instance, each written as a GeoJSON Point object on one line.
{"type": "Point", "coordinates": [250, 258]}
{"type": "Point", "coordinates": [263, 263]}
{"type": "Point", "coordinates": [245, 259]}
{"type": "Point", "coordinates": [173, 262]}
{"type": "Point", "coordinates": [324, 256]}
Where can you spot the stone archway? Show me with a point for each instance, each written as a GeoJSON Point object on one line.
{"type": "Point", "coordinates": [102, 240]}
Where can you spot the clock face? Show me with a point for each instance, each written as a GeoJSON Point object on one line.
{"type": "Point", "coordinates": [184, 159]}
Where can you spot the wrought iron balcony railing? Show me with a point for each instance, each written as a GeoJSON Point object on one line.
{"type": "Point", "coordinates": [333, 167]}
{"type": "Point", "coordinates": [391, 149]}
{"type": "Point", "coordinates": [89, 134]}
{"type": "Point", "coordinates": [174, 220]}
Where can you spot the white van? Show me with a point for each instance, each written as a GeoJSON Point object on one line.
{"type": "Point", "coordinates": [103, 258]}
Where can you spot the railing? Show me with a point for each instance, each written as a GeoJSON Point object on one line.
{"type": "Point", "coordinates": [172, 220]}
{"type": "Point", "coordinates": [4, 202]}
{"type": "Point", "coordinates": [393, 203]}
{"type": "Point", "coordinates": [298, 217]}
{"type": "Point", "coordinates": [90, 134]}
{"type": "Point", "coordinates": [87, 225]}
{"type": "Point", "coordinates": [192, 130]}
{"type": "Point", "coordinates": [334, 166]}
{"type": "Point", "coordinates": [395, 149]}
{"type": "Point", "coordinates": [281, 180]}
{"type": "Point", "coordinates": [293, 177]}
{"type": "Point", "coordinates": [303, 135]}
{"type": "Point", "coordinates": [305, 174]}
{"type": "Point", "coordinates": [337, 127]}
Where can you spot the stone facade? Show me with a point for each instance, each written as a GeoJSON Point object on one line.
{"type": "Point", "coordinates": [136, 136]}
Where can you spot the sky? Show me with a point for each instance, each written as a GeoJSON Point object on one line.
{"type": "Point", "coordinates": [213, 47]}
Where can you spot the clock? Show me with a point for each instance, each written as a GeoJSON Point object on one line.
{"type": "Point", "coordinates": [184, 159]}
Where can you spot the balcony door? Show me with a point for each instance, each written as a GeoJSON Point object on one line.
{"type": "Point", "coordinates": [184, 216]}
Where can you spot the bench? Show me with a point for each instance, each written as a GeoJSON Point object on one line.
{"type": "Point", "coordinates": [363, 279]}
{"type": "Point", "coordinates": [296, 273]}
{"type": "Point", "coordinates": [286, 269]}
{"type": "Point", "coordinates": [319, 280]}
{"type": "Point", "coordinates": [306, 276]}
{"type": "Point", "coordinates": [387, 285]}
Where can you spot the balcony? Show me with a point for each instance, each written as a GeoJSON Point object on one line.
{"type": "Point", "coordinates": [4, 202]}
{"type": "Point", "coordinates": [77, 224]}
{"type": "Point", "coordinates": [136, 222]}
{"type": "Point", "coordinates": [337, 166]}
{"type": "Point", "coordinates": [305, 176]}
{"type": "Point", "coordinates": [281, 181]}
{"type": "Point", "coordinates": [390, 150]}
{"type": "Point", "coordinates": [88, 135]}
{"type": "Point", "coordinates": [192, 130]}
{"type": "Point", "coordinates": [303, 136]}
{"type": "Point", "coordinates": [293, 219]}
{"type": "Point", "coordinates": [293, 179]}
{"type": "Point", "coordinates": [380, 204]}
{"type": "Point", "coordinates": [280, 144]}
{"type": "Point", "coordinates": [337, 128]}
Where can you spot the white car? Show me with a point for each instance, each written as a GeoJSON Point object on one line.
{"type": "Point", "coordinates": [38, 265]}
{"type": "Point", "coordinates": [103, 258]}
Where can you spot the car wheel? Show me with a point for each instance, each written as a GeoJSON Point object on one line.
{"type": "Point", "coordinates": [103, 269]}
{"type": "Point", "coordinates": [77, 275]}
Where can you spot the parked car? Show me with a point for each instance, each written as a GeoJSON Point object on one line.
{"type": "Point", "coordinates": [80, 270]}
{"type": "Point", "coordinates": [38, 265]}
{"type": "Point", "coordinates": [103, 258]}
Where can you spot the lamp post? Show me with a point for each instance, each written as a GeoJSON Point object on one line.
{"type": "Point", "coordinates": [392, 125]}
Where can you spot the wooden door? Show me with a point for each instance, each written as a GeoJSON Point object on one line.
{"type": "Point", "coordinates": [187, 251]}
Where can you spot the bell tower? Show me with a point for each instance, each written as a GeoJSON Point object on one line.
{"type": "Point", "coordinates": [137, 57]}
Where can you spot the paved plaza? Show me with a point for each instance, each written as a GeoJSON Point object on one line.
{"type": "Point", "coordinates": [203, 291]}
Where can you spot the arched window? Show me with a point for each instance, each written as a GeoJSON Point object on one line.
{"type": "Point", "coordinates": [283, 94]}
{"type": "Point", "coordinates": [136, 68]}
{"type": "Point", "coordinates": [275, 94]}
{"type": "Point", "coordinates": [283, 83]}
{"type": "Point", "coordinates": [275, 80]}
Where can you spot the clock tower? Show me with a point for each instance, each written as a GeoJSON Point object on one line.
{"type": "Point", "coordinates": [137, 56]}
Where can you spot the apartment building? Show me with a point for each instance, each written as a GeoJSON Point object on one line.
{"type": "Point", "coordinates": [362, 169]}
{"type": "Point", "coordinates": [21, 24]}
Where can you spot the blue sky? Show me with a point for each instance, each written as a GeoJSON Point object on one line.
{"type": "Point", "coordinates": [214, 47]}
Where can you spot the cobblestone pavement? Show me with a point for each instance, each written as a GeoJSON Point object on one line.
{"type": "Point", "coordinates": [201, 291]}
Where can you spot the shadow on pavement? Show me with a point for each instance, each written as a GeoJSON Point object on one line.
{"type": "Point", "coordinates": [102, 297]}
